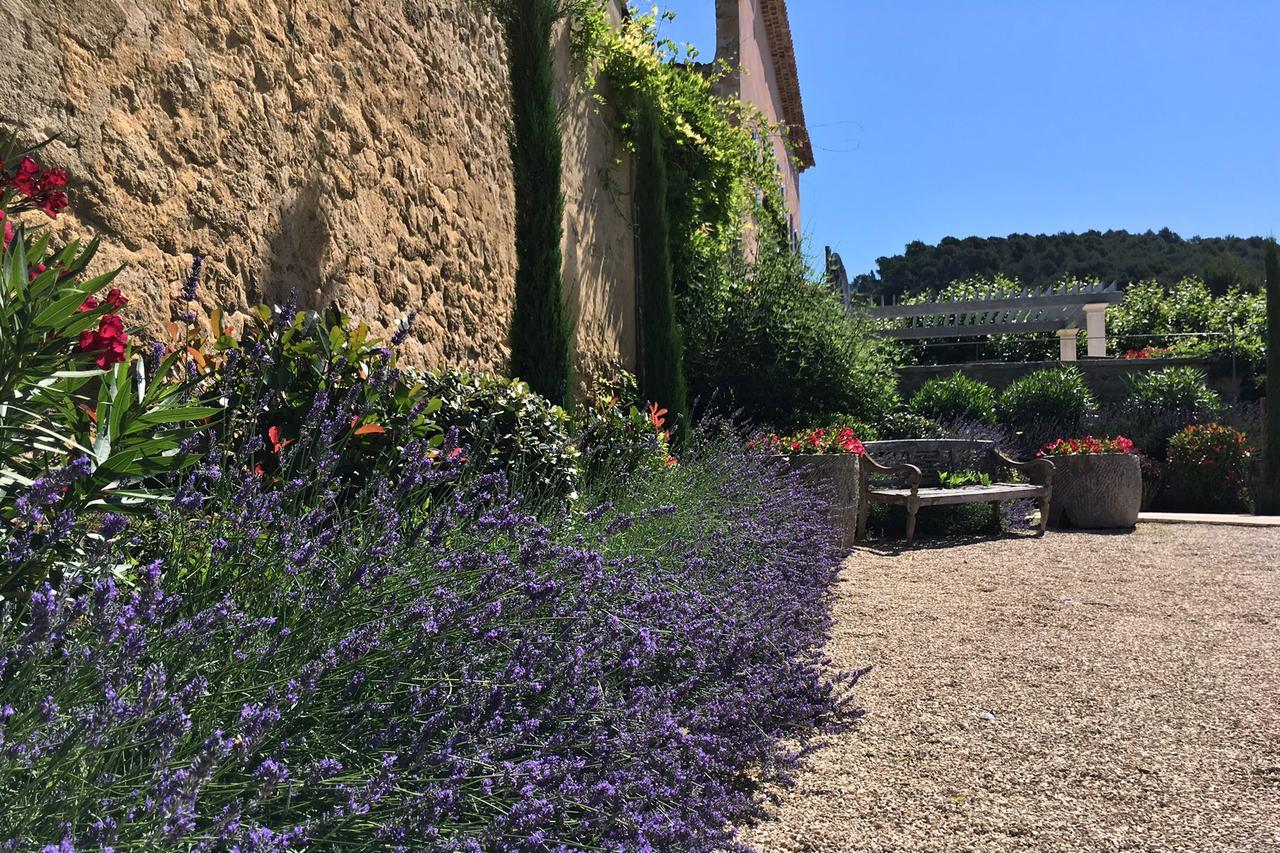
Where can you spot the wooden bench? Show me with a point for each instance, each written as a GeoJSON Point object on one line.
{"type": "Point", "coordinates": [915, 464]}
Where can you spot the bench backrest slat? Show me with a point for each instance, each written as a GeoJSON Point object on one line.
{"type": "Point", "coordinates": [932, 455]}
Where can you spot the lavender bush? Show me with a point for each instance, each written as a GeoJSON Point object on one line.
{"type": "Point", "coordinates": [423, 665]}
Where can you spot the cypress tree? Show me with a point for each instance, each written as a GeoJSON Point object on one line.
{"type": "Point", "coordinates": [661, 362]}
{"type": "Point", "coordinates": [1269, 494]}
{"type": "Point", "coordinates": [541, 331]}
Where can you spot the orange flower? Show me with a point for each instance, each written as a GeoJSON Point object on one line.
{"type": "Point", "coordinates": [273, 433]}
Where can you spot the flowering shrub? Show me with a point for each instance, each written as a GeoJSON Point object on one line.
{"type": "Point", "coordinates": [617, 440]}
{"type": "Point", "coordinates": [1208, 469]}
{"type": "Point", "coordinates": [82, 422]}
{"type": "Point", "coordinates": [1147, 352]}
{"type": "Point", "coordinates": [820, 440]}
{"type": "Point", "coordinates": [1087, 445]}
{"type": "Point", "coordinates": [464, 678]}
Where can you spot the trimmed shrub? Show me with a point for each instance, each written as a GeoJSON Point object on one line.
{"type": "Point", "coordinates": [954, 398]}
{"type": "Point", "coordinates": [661, 350]}
{"type": "Point", "coordinates": [901, 424]}
{"type": "Point", "coordinates": [1056, 396]}
{"type": "Point", "coordinates": [1208, 469]}
{"type": "Point", "coordinates": [541, 329]}
{"type": "Point", "coordinates": [505, 426]}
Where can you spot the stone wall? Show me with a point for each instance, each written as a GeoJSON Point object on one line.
{"type": "Point", "coordinates": [357, 152]}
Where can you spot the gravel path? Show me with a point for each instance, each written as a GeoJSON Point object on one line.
{"type": "Point", "coordinates": [1076, 693]}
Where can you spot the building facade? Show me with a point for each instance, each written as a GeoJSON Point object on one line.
{"type": "Point", "coordinates": [753, 38]}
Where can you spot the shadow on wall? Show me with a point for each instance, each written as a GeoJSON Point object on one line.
{"type": "Point", "coordinates": [297, 256]}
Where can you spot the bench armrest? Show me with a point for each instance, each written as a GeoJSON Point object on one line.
{"type": "Point", "coordinates": [1039, 470]}
{"type": "Point", "coordinates": [870, 466]}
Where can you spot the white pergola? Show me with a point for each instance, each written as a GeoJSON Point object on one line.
{"type": "Point", "coordinates": [1061, 309]}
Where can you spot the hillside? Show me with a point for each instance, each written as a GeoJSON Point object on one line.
{"type": "Point", "coordinates": [1042, 259]}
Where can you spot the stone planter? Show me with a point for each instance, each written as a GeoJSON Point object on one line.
{"type": "Point", "coordinates": [835, 475]}
{"type": "Point", "coordinates": [1096, 491]}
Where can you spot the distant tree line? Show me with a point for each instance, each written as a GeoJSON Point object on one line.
{"type": "Point", "coordinates": [1044, 259]}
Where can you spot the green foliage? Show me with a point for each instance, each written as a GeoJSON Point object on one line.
{"type": "Point", "coordinates": [1269, 497]}
{"type": "Point", "coordinates": [955, 397]}
{"type": "Point", "coordinates": [616, 440]}
{"type": "Point", "coordinates": [1058, 396]}
{"type": "Point", "coordinates": [719, 151]}
{"type": "Point", "coordinates": [506, 426]}
{"type": "Point", "coordinates": [1208, 469]}
{"type": "Point", "coordinates": [661, 348]}
{"type": "Point", "coordinates": [541, 330]}
{"type": "Point", "coordinates": [781, 348]}
{"type": "Point", "coordinates": [1188, 320]}
{"type": "Point", "coordinates": [1044, 259]}
{"type": "Point", "coordinates": [960, 479]}
{"type": "Point", "coordinates": [83, 423]}
{"type": "Point", "coordinates": [1174, 392]}
{"type": "Point", "coordinates": [898, 423]}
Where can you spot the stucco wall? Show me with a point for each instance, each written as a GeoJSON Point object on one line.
{"type": "Point", "coordinates": [742, 42]}
{"type": "Point", "coordinates": [355, 152]}
{"type": "Point", "coordinates": [599, 238]}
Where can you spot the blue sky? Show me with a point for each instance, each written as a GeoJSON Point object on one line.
{"type": "Point", "coordinates": [933, 118]}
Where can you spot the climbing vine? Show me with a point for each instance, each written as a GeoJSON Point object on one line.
{"type": "Point", "coordinates": [718, 150]}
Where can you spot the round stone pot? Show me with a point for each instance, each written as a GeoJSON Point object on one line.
{"type": "Point", "coordinates": [835, 476]}
{"type": "Point", "coordinates": [1096, 490]}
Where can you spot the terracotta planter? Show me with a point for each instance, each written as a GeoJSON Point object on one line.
{"type": "Point", "coordinates": [835, 475]}
{"type": "Point", "coordinates": [1096, 491]}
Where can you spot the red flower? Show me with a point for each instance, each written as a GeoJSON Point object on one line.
{"type": "Point", "coordinates": [28, 176]}
{"type": "Point", "coordinates": [116, 299]}
{"type": "Point", "coordinates": [90, 304]}
{"type": "Point", "coordinates": [273, 433]}
{"type": "Point", "coordinates": [53, 203]}
{"type": "Point", "coordinates": [8, 228]}
{"type": "Point", "coordinates": [108, 342]}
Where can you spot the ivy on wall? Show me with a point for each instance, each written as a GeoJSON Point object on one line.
{"type": "Point", "coordinates": [541, 329]}
{"type": "Point", "coordinates": [718, 150]}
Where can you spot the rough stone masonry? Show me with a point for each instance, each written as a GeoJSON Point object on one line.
{"type": "Point", "coordinates": [354, 150]}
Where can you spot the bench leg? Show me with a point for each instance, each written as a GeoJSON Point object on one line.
{"type": "Point", "coordinates": [911, 522]}
{"type": "Point", "coordinates": [1044, 514]}
{"type": "Point", "coordinates": [995, 518]}
{"type": "Point", "coordinates": [864, 514]}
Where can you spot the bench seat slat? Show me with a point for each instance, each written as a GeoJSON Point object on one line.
{"type": "Point", "coordinates": [962, 495]}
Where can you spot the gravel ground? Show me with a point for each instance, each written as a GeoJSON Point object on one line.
{"type": "Point", "coordinates": [1081, 692]}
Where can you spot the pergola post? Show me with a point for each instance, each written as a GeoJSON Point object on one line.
{"type": "Point", "coordinates": [1096, 330]}
{"type": "Point", "coordinates": [1067, 344]}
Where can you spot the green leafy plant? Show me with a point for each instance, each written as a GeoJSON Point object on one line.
{"type": "Point", "coordinates": [661, 347]}
{"type": "Point", "coordinates": [1208, 469]}
{"type": "Point", "coordinates": [899, 423]}
{"type": "Point", "coordinates": [541, 329]}
{"type": "Point", "coordinates": [960, 479]}
{"type": "Point", "coordinates": [1161, 402]}
{"type": "Point", "coordinates": [955, 397]}
{"type": "Point", "coordinates": [618, 440]}
{"type": "Point", "coordinates": [1058, 396]}
{"type": "Point", "coordinates": [84, 423]}
{"type": "Point", "coordinates": [782, 349]}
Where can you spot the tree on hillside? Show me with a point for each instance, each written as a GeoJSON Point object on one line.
{"type": "Point", "coordinates": [1041, 260]}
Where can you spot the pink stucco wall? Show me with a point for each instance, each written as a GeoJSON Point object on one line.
{"type": "Point", "coordinates": [758, 85]}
